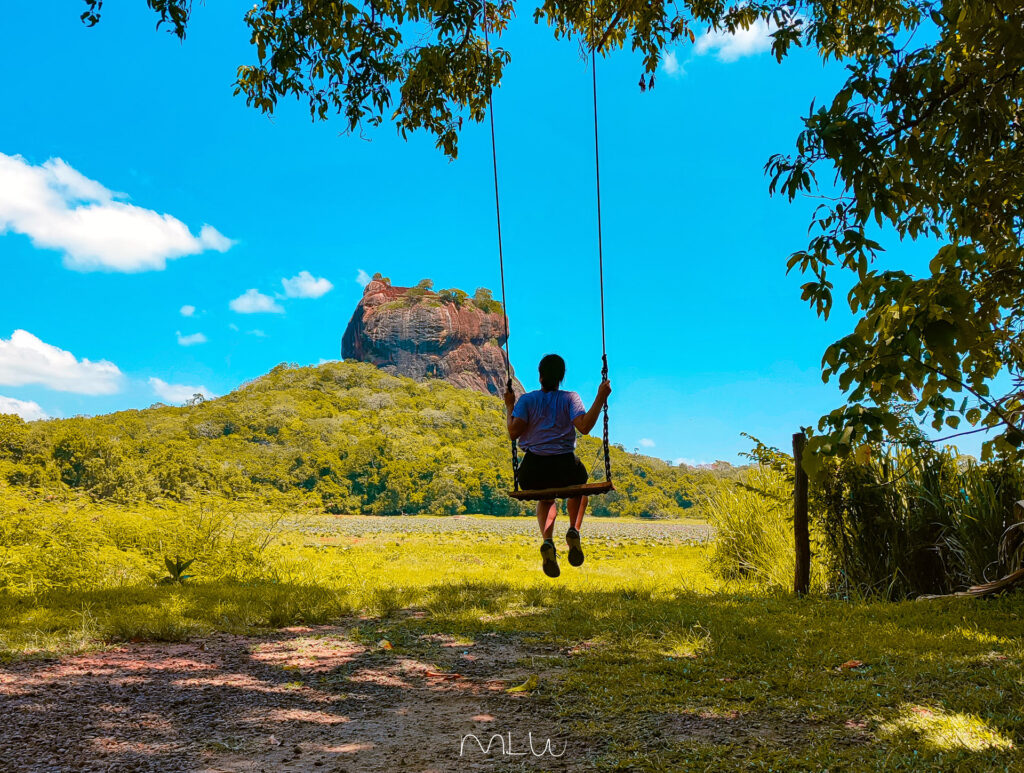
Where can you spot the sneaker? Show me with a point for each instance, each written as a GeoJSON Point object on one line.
{"type": "Point", "coordinates": [572, 539]}
{"type": "Point", "coordinates": [547, 551]}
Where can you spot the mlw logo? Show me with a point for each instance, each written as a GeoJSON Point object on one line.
{"type": "Point", "coordinates": [507, 748]}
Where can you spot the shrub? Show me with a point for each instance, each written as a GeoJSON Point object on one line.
{"type": "Point", "coordinates": [483, 299]}
{"type": "Point", "coordinates": [78, 545]}
{"type": "Point", "coordinates": [754, 531]}
{"type": "Point", "coordinates": [915, 522]}
{"type": "Point", "coordinates": [458, 298]}
{"type": "Point", "coordinates": [891, 524]}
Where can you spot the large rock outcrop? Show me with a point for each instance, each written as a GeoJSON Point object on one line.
{"type": "Point", "coordinates": [412, 331]}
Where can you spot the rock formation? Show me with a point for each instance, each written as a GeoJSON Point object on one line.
{"type": "Point", "coordinates": [413, 331]}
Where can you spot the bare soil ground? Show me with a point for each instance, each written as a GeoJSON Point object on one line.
{"type": "Point", "coordinates": [303, 699]}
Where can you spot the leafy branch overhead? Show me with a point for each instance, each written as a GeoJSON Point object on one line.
{"type": "Point", "coordinates": [924, 138]}
{"type": "Point", "coordinates": [426, 65]}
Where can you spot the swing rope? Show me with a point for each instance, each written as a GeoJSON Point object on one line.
{"type": "Point", "coordinates": [501, 255]}
{"type": "Point", "coordinates": [600, 253]}
{"type": "Point", "coordinates": [596, 488]}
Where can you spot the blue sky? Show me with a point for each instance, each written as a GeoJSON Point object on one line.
{"type": "Point", "coordinates": [191, 199]}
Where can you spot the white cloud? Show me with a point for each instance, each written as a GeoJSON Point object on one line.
{"type": "Point", "coordinates": [61, 209]}
{"type": "Point", "coordinates": [672, 66]}
{"type": "Point", "coordinates": [188, 311]}
{"type": "Point", "coordinates": [26, 409]}
{"type": "Point", "coordinates": [24, 359]}
{"type": "Point", "coordinates": [646, 442]}
{"type": "Point", "coordinates": [362, 278]}
{"type": "Point", "coordinates": [74, 185]}
{"type": "Point", "coordinates": [191, 340]}
{"type": "Point", "coordinates": [212, 239]}
{"type": "Point", "coordinates": [177, 393]}
{"type": "Point", "coordinates": [257, 332]}
{"type": "Point", "coordinates": [688, 462]}
{"type": "Point", "coordinates": [728, 47]}
{"type": "Point", "coordinates": [305, 285]}
{"type": "Point", "coordinates": [252, 301]}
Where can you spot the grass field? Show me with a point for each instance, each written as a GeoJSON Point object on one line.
{"type": "Point", "coordinates": [646, 662]}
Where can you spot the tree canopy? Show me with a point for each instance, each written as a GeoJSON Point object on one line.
{"type": "Point", "coordinates": [924, 138]}
{"type": "Point", "coordinates": [427, 65]}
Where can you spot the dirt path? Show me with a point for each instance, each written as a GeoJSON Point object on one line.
{"type": "Point", "coordinates": [306, 699]}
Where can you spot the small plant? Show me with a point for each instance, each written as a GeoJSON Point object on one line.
{"type": "Point", "coordinates": [454, 296]}
{"type": "Point", "coordinates": [176, 571]}
{"type": "Point", "coordinates": [484, 300]}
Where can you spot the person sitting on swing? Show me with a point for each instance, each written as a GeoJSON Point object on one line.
{"type": "Point", "coordinates": [545, 423]}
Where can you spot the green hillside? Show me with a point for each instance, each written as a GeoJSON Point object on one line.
{"type": "Point", "coordinates": [343, 437]}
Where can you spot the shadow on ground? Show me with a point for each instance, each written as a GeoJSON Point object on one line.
{"type": "Point", "coordinates": [626, 680]}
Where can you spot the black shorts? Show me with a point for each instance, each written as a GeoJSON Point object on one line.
{"type": "Point", "coordinates": [557, 471]}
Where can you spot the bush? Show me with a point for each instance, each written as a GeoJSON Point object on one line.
{"type": "Point", "coordinates": [75, 545]}
{"type": "Point", "coordinates": [916, 522]}
{"type": "Point", "coordinates": [890, 525]}
{"type": "Point", "coordinates": [483, 299]}
{"type": "Point", "coordinates": [754, 531]}
{"type": "Point", "coordinates": [458, 298]}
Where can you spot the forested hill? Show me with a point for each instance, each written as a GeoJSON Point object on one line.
{"type": "Point", "coordinates": [344, 437]}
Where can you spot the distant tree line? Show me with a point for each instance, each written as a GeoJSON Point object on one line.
{"type": "Point", "coordinates": [342, 437]}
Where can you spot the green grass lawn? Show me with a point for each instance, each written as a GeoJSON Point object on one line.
{"type": "Point", "coordinates": [654, 663]}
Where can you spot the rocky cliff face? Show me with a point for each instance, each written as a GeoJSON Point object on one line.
{"type": "Point", "coordinates": [418, 333]}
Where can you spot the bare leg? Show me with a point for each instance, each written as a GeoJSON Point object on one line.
{"type": "Point", "coordinates": [547, 512]}
{"type": "Point", "coordinates": [577, 506]}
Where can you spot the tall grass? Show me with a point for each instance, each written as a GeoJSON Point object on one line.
{"type": "Point", "coordinates": [890, 526]}
{"type": "Point", "coordinates": [911, 523]}
{"type": "Point", "coordinates": [73, 544]}
{"type": "Point", "coordinates": [753, 522]}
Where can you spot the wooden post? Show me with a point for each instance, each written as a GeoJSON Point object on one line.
{"type": "Point", "coordinates": [801, 534]}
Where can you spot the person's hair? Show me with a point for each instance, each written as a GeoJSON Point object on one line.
{"type": "Point", "coordinates": [552, 371]}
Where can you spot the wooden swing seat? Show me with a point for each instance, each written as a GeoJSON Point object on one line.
{"type": "Point", "coordinates": [566, 492]}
